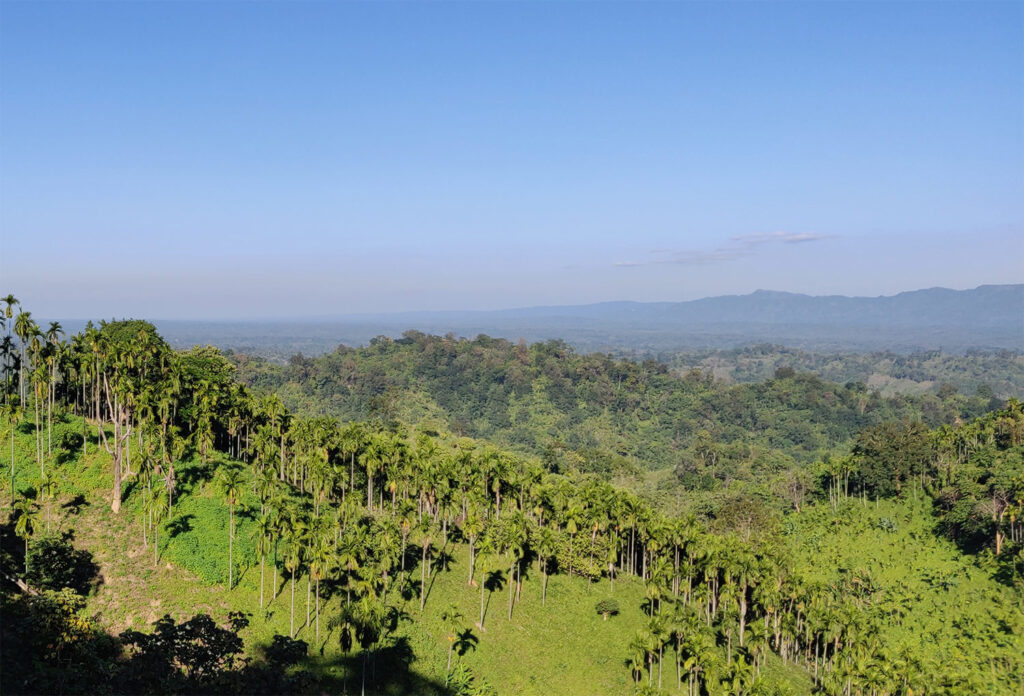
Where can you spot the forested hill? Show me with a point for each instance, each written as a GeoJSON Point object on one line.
{"type": "Point", "coordinates": [547, 399]}
{"type": "Point", "coordinates": [998, 373]}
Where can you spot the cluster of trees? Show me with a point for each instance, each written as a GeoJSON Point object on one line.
{"type": "Point", "coordinates": [592, 411]}
{"type": "Point", "coordinates": [985, 374]}
{"type": "Point", "coordinates": [365, 514]}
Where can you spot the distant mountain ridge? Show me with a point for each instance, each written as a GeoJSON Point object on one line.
{"type": "Point", "coordinates": [989, 317]}
{"type": "Point", "coordinates": [986, 305]}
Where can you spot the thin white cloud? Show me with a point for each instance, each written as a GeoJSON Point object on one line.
{"type": "Point", "coordinates": [785, 237]}
{"type": "Point", "coordinates": [741, 245]}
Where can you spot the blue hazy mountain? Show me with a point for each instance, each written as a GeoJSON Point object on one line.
{"type": "Point", "coordinates": [989, 317]}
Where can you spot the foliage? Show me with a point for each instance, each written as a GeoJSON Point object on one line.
{"type": "Point", "coordinates": [181, 657]}
{"type": "Point", "coordinates": [54, 564]}
{"type": "Point", "coordinates": [58, 649]}
{"type": "Point", "coordinates": [607, 607]}
{"type": "Point", "coordinates": [377, 524]}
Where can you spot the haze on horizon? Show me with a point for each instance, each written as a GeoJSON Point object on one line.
{"type": "Point", "coordinates": [229, 160]}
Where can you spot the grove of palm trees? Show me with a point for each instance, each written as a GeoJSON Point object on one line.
{"type": "Point", "coordinates": [171, 529]}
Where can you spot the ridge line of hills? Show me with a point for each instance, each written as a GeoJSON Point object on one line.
{"type": "Point", "coordinates": [987, 318]}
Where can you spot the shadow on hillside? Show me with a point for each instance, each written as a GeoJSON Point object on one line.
{"type": "Point", "coordinates": [192, 473]}
{"type": "Point", "coordinates": [75, 505]}
{"type": "Point", "coordinates": [386, 672]}
{"type": "Point", "coordinates": [1009, 568]}
{"type": "Point", "coordinates": [182, 524]}
{"type": "Point", "coordinates": [54, 562]}
{"type": "Point", "coordinates": [494, 582]}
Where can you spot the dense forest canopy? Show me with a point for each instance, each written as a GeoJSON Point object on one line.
{"type": "Point", "coordinates": [509, 479]}
{"type": "Point", "coordinates": [597, 413]}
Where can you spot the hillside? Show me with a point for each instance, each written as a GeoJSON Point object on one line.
{"type": "Point", "coordinates": [946, 608]}
{"type": "Point", "coordinates": [609, 415]}
{"type": "Point", "coordinates": [803, 540]}
{"type": "Point", "coordinates": [1000, 373]}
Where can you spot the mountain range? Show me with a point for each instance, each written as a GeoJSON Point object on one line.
{"type": "Point", "coordinates": [989, 317]}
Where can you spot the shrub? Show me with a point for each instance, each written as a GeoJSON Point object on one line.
{"type": "Point", "coordinates": [607, 607]}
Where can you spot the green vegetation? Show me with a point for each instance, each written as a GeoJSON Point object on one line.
{"type": "Point", "coordinates": [593, 412]}
{"type": "Point", "coordinates": [984, 373]}
{"type": "Point", "coordinates": [295, 553]}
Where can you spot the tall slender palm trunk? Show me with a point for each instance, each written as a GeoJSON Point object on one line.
{"type": "Point", "coordinates": [293, 606]}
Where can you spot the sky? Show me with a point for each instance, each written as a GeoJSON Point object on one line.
{"type": "Point", "coordinates": [245, 160]}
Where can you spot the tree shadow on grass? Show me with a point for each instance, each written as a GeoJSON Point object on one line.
{"type": "Point", "coordinates": [465, 641]}
{"type": "Point", "coordinates": [386, 671]}
{"type": "Point", "coordinates": [191, 473]}
{"type": "Point", "coordinates": [75, 505]}
{"type": "Point", "coordinates": [494, 582]}
{"type": "Point", "coordinates": [181, 524]}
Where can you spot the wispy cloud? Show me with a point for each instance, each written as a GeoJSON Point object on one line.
{"type": "Point", "coordinates": [740, 246]}
{"type": "Point", "coordinates": [784, 237]}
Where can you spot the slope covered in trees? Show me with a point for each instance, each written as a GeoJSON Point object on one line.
{"type": "Point", "coordinates": [414, 556]}
{"type": "Point", "coordinates": [986, 374]}
{"type": "Point", "coordinates": [595, 413]}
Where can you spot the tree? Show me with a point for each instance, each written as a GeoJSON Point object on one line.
{"type": "Point", "coordinates": [12, 414]}
{"type": "Point", "coordinates": [484, 560]}
{"type": "Point", "coordinates": [27, 520]}
{"type": "Point", "coordinates": [321, 557]}
{"type": "Point", "coordinates": [890, 454]}
{"type": "Point", "coordinates": [453, 621]}
{"type": "Point", "coordinates": [156, 505]}
{"type": "Point", "coordinates": [264, 533]}
{"type": "Point", "coordinates": [426, 531]}
{"type": "Point", "coordinates": [53, 336]}
{"type": "Point", "coordinates": [292, 560]}
{"type": "Point", "coordinates": [607, 607]}
{"type": "Point", "coordinates": [231, 485]}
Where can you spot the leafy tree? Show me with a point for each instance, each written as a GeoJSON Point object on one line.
{"type": "Point", "coordinates": [607, 607]}
{"type": "Point", "coordinates": [56, 564]}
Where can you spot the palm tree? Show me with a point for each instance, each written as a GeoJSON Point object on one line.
{"type": "Point", "coordinates": [484, 559]}
{"type": "Point", "coordinates": [231, 485]}
{"type": "Point", "coordinates": [45, 492]}
{"type": "Point", "coordinates": [53, 335]}
{"type": "Point", "coordinates": [23, 329]}
{"type": "Point", "coordinates": [10, 302]}
{"type": "Point", "coordinates": [426, 532]}
{"type": "Point", "coordinates": [12, 413]}
{"type": "Point", "coordinates": [319, 565]}
{"type": "Point", "coordinates": [28, 520]}
{"type": "Point", "coordinates": [471, 528]}
{"type": "Point", "coordinates": [264, 532]}
{"type": "Point", "coordinates": [637, 656]}
{"type": "Point", "coordinates": [547, 545]}
{"type": "Point", "coordinates": [157, 508]}
{"type": "Point", "coordinates": [452, 619]}
{"type": "Point", "coordinates": [292, 560]}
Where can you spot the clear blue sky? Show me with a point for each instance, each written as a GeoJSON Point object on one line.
{"type": "Point", "coordinates": [216, 160]}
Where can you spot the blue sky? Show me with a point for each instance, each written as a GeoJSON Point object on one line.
{"type": "Point", "coordinates": [243, 160]}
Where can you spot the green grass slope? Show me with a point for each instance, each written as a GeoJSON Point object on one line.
{"type": "Point", "coordinates": [563, 646]}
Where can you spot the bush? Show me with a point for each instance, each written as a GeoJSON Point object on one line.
{"type": "Point", "coordinates": [54, 564]}
{"type": "Point", "coordinates": [607, 607]}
